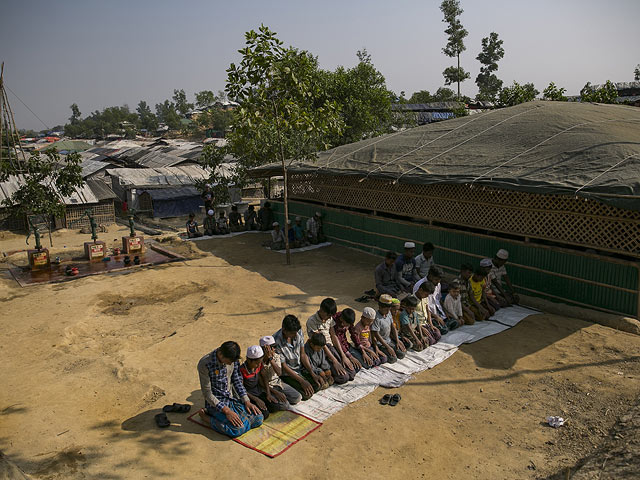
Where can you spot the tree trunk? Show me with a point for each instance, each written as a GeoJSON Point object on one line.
{"type": "Point", "coordinates": [286, 211]}
{"type": "Point", "coordinates": [458, 76]}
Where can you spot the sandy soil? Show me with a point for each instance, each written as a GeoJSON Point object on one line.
{"type": "Point", "coordinates": [88, 363]}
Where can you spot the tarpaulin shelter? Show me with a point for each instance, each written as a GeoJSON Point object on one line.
{"type": "Point", "coordinates": [170, 202]}
{"type": "Point", "coordinates": [545, 177]}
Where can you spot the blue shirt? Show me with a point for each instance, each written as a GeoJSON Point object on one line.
{"type": "Point", "coordinates": [220, 384]}
{"type": "Point", "coordinates": [406, 267]}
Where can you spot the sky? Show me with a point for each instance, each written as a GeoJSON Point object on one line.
{"type": "Point", "coordinates": [105, 53]}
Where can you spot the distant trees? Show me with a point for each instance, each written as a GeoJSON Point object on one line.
{"type": "Point", "coordinates": [167, 114]}
{"type": "Point", "coordinates": [488, 83]}
{"type": "Point", "coordinates": [455, 44]}
{"type": "Point", "coordinates": [636, 73]}
{"type": "Point", "coordinates": [180, 102]}
{"type": "Point", "coordinates": [516, 93]}
{"type": "Point", "coordinates": [146, 119]}
{"type": "Point", "coordinates": [552, 92]}
{"type": "Point", "coordinates": [362, 97]}
{"type": "Point", "coordinates": [205, 99]}
{"type": "Point", "coordinates": [606, 93]}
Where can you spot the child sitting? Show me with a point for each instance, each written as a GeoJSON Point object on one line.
{"type": "Point", "coordinates": [411, 334]}
{"type": "Point", "coordinates": [223, 225]}
{"type": "Point", "coordinates": [278, 395]}
{"type": "Point", "coordinates": [252, 380]}
{"type": "Point", "coordinates": [251, 218]}
{"type": "Point", "coordinates": [429, 330]}
{"type": "Point", "coordinates": [235, 220]}
{"type": "Point", "coordinates": [361, 336]}
{"type": "Point", "coordinates": [277, 237]}
{"type": "Point", "coordinates": [466, 271]}
{"type": "Point", "coordinates": [341, 346]}
{"type": "Point", "coordinates": [192, 227]}
{"type": "Point", "coordinates": [314, 348]}
{"type": "Point", "coordinates": [209, 223]}
{"type": "Point", "coordinates": [480, 306]}
{"type": "Point", "coordinates": [444, 323]}
{"type": "Point", "coordinates": [395, 313]}
{"type": "Point", "coordinates": [453, 304]}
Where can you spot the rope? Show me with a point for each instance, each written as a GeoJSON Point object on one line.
{"type": "Point", "coordinates": [424, 145]}
{"type": "Point", "coordinates": [463, 142]}
{"type": "Point", "coordinates": [546, 140]}
{"type": "Point", "coordinates": [361, 148]}
{"type": "Point", "coordinates": [27, 107]}
{"type": "Point", "coordinates": [607, 170]}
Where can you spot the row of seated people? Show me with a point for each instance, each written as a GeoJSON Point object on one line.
{"type": "Point", "coordinates": [478, 291]}
{"type": "Point", "coordinates": [299, 236]}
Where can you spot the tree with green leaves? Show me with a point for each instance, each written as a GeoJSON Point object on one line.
{"type": "Point", "coordinates": [488, 83]}
{"type": "Point", "coordinates": [421, 96]}
{"type": "Point", "coordinates": [282, 117]}
{"type": "Point", "coordinates": [554, 93]}
{"type": "Point", "coordinates": [205, 99]}
{"type": "Point", "coordinates": [516, 94]}
{"type": "Point", "coordinates": [146, 118]}
{"type": "Point", "coordinates": [362, 97]}
{"type": "Point", "coordinates": [45, 180]}
{"type": "Point", "coordinates": [636, 73]}
{"type": "Point", "coordinates": [607, 93]}
{"type": "Point", "coordinates": [455, 44]}
{"type": "Point", "coordinates": [75, 117]}
{"type": "Point", "coordinates": [181, 103]}
{"type": "Point", "coordinates": [167, 114]}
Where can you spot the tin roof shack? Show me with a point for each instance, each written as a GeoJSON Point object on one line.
{"type": "Point", "coordinates": [170, 202]}
{"type": "Point", "coordinates": [94, 195]}
{"type": "Point", "coordinates": [129, 183]}
{"type": "Point", "coordinates": [555, 183]}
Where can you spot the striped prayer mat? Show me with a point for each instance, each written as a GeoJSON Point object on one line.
{"type": "Point", "coordinates": [279, 432]}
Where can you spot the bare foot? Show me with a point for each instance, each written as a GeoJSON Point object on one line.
{"type": "Point", "coordinates": [204, 415]}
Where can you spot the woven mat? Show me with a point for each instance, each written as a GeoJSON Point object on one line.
{"type": "Point", "coordinates": [276, 435]}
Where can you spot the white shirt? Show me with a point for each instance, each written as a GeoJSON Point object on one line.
{"type": "Point", "coordinates": [315, 324]}
{"type": "Point", "coordinates": [418, 283]}
{"type": "Point", "coordinates": [453, 305]}
{"type": "Point", "coordinates": [497, 273]}
{"type": "Point", "coordinates": [434, 302]}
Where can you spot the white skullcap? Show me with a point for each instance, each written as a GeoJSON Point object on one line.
{"type": "Point", "coordinates": [267, 340]}
{"type": "Point", "coordinates": [275, 224]}
{"type": "Point", "coordinates": [210, 212]}
{"type": "Point", "coordinates": [409, 245]}
{"type": "Point", "coordinates": [502, 254]}
{"type": "Point", "coordinates": [254, 352]}
{"type": "Point", "coordinates": [369, 313]}
{"type": "Point", "coordinates": [486, 262]}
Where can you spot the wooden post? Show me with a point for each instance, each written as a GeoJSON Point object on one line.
{"type": "Point", "coordinates": [638, 311]}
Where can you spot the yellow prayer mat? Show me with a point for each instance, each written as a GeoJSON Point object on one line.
{"type": "Point", "coordinates": [279, 432]}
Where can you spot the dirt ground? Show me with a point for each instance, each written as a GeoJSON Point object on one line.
{"type": "Point", "coordinates": [88, 363]}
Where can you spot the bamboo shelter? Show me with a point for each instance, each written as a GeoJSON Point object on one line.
{"type": "Point", "coordinates": [553, 176]}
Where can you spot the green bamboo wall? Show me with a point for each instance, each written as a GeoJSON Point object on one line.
{"type": "Point", "coordinates": [377, 235]}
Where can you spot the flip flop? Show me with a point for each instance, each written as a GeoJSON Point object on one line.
{"type": "Point", "coordinates": [362, 299]}
{"type": "Point", "coordinates": [371, 293]}
{"type": "Point", "coordinates": [385, 399]}
{"type": "Point", "coordinates": [162, 421]}
{"type": "Point", "coordinates": [177, 408]}
{"type": "Point", "coordinates": [394, 400]}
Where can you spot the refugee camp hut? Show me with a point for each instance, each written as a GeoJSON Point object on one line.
{"type": "Point", "coordinates": [427, 112]}
{"type": "Point", "coordinates": [130, 183]}
{"type": "Point", "coordinates": [95, 167]}
{"type": "Point", "coordinates": [93, 195]}
{"type": "Point", "coordinates": [557, 184]}
{"type": "Point", "coordinates": [170, 201]}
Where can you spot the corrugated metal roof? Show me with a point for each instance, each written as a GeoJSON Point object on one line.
{"type": "Point", "coordinates": [81, 196]}
{"type": "Point", "coordinates": [101, 190]}
{"type": "Point", "coordinates": [150, 177]}
{"type": "Point", "coordinates": [89, 167]}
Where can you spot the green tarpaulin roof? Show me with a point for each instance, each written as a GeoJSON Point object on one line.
{"type": "Point", "coordinates": [584, 149]}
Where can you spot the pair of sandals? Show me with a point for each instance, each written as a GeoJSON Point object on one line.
{"type": "Point", "coordinates": [161, 418]}
{"type": "Point", "coordinates": [391, 400]}
{"type": "Point", "coordinates": [368, 295]}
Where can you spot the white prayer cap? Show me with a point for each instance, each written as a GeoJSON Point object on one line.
{"type": "Point", "coordinates": [275, 224]}
{"type": "Point", "coordinates": [289, 222]}
{"type": "Point", "coordinates": [409, 245]}
{"type": "Point", "coordinates": [267, 340]}
{"type": "Point", "coordinates": [210, 212]}
{"type": "Point", "coordinates": [502, 254]}
{"type": "Point", "coordinates": [369, 313]}
{"type": "Point", "coordinates": [254, 351]}
{"type": "Point", "coordinates": [318, 214]}
{"type": "Point", "coordinates": [486, 262]}
{"type": "Point", "coordinates": [298, 219]}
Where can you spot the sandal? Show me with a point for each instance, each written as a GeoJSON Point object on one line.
{"type": "Point", "coordinates": [363, 299]}
{"type": "Point", "coordinates": [385, 399]}
{"type": "Point", "coordinates": [177, 408]}
{"type": "Point", "coordinates": [394, 400]}
{"type": "Point", "coordinates": [162, 420]}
